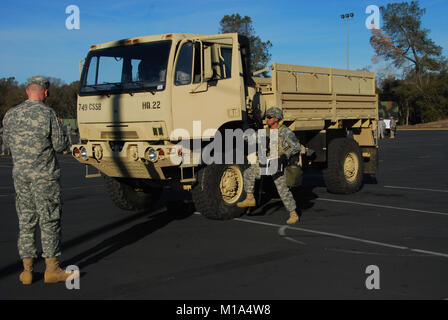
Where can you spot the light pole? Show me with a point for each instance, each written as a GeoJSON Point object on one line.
{"type": "Point", "coordinates": [347, 17]}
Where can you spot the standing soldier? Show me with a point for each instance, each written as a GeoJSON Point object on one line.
{"type": "Point", "coordinates": [381, 128]}
{"type": "Point", "coordinates": [288, 145]}
{"type": "Point", "coordinates": [5, 149]}
{"type": "Point", "coordinates": [68, 128]}
{"type": "Point", "coordinates": [33, 133]}
{"type": "Point", "coordinates": [393, 127]}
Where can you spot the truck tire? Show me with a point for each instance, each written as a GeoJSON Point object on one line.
{"type": "Point", "coordinates": [344, 172]}
{"type": "Point", "coordinates": [126, 197]}
{"type": "Point", "coordinates": [218, 189]}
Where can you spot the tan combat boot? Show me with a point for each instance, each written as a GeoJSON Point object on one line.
{"type": "Point", "coordinates": [26, 277]}
{"type": "Point", "coordinates": [53, 273]}
{"type": "Point", "coordinates": [248, 202]}
{"type": "Point", "coordinates": [293, 218]}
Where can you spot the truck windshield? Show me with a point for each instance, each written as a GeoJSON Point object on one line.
{"type": "Point", "coordinates": [132, 68]}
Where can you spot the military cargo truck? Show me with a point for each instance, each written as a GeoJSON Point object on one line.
{"type": "Point", "coordinates": [148, 105]}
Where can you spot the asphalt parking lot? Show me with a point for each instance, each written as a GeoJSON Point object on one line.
{"type": "Point", "coordinates": [398, 223]}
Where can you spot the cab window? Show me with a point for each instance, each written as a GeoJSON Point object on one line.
{"type": "Point", "coordinates": [184, 65]}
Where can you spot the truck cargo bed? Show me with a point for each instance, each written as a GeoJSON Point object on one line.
{"type": "Point", "coordinates": [310, 94]}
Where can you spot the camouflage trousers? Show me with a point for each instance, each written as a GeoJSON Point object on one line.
{"type": "Point", "coordinates": [38, 201]}
{"type": "Point", "coordinates": [253, 172]}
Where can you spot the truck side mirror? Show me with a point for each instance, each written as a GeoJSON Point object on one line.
{"type": "Point", "coordinates": [207, 67]}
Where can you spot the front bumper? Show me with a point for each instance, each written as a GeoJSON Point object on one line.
{"type": "Point", "coordinates": [128, 159]}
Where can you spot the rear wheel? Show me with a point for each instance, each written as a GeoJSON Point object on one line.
{"type": "Point", "coordinates": [127, 196]}
{"type": "Point", "coordinates": [217, 191]}
{"type": "Point", "coordinates": [344, 173]}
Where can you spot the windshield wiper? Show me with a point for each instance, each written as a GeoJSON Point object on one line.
{"type": "Point", "coordinates": [118, 84]}
{"type": "Point", "coordinates": [143, 85]}
{"type": "Point", "coordinates": [97, 87]}
{"type": "Point", "coordinates": [101, 88]}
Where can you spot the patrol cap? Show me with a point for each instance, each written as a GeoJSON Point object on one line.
{"type": "Point", "coordinates": [276, 112]}
{"type": "Point", "coordinates": [41, 81]}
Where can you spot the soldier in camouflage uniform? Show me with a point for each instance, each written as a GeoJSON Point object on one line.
{"type": "Point", "coordinates": [5, 149]}
{"type": "Point", "coordinates": [393, 127]}
{"type": "Point", "coordinates": [34, 135]}
{"type": "Point", "coordinates": [381, 128]}
{"type": "Point", "coordinates": [288, 145]}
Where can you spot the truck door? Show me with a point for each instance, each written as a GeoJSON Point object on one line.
{"type": "Point", "coordinates": [207, 84]}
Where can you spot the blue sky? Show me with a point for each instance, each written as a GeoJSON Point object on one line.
{"type": "Point", "coordinates": [35, 41]}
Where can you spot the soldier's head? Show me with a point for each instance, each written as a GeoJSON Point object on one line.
{"type": "Point", "coordinates": [273, 116]}
{"type": "Point", "coordinates": [37, 88]}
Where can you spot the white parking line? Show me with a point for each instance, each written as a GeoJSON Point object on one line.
{"type": "Point", "coordinates": [340, 236]}
{"type": "Point", "coordinates": [382, 206]}
{"type": "Point", "coordinates": [417, 189]}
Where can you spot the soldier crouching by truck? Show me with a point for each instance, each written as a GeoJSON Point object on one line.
{"type": "Point", "coordinates": [288, 146]}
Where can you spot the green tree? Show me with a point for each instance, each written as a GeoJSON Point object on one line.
{"type": "Point", "coordinates": [259, 50]}
{"type": "Point", "coordinates": [62, 96]}
{"type": "Point", "coordinates": [406, 95]}
{"type": "Point", "coordinates": [406, 43]}
{"type": "Point", "coordinates": [11, 94]}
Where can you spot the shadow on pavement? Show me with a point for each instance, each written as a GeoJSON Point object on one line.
{"type": "Point", "coordinates": [177, 209]}
{"type": "Point", "coordinates": [303, 195]}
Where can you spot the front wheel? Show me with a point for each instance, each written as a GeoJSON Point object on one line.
{"type": "Point", "coordinates": [344, 172]}
{"type": "Point", "coordinates": [218, 189]}
{"type": "Point", "coordinates": [127, 196]}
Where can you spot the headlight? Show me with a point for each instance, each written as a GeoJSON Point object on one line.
{"type": "Point", "coordinates": [152, 155]}
{"type": "Point", "coordinates": [84, 153]}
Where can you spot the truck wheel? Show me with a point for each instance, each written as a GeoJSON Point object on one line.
{"type": "Point", "coordinates": [217, 191]}
{"type": "Point", "coordinates": [344, 172]}
{"type": "Point", "coordinates": [127, 197]}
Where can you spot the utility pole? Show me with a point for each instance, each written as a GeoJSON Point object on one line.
{"type": "Point", "coordinates": [347, 16]}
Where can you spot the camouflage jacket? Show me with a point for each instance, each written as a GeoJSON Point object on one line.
{"type": "Point", "coordinates": [33, 133]}
{"type": "Point", "coordinates": [288, 142]}
{"type": "Point", "coordinates": [393, 124]}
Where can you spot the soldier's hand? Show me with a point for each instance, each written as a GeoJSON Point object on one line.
{"type": "Point", "coordinates": [309, 152]}
{"type": "Point", "coordinates": [252, 158]}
